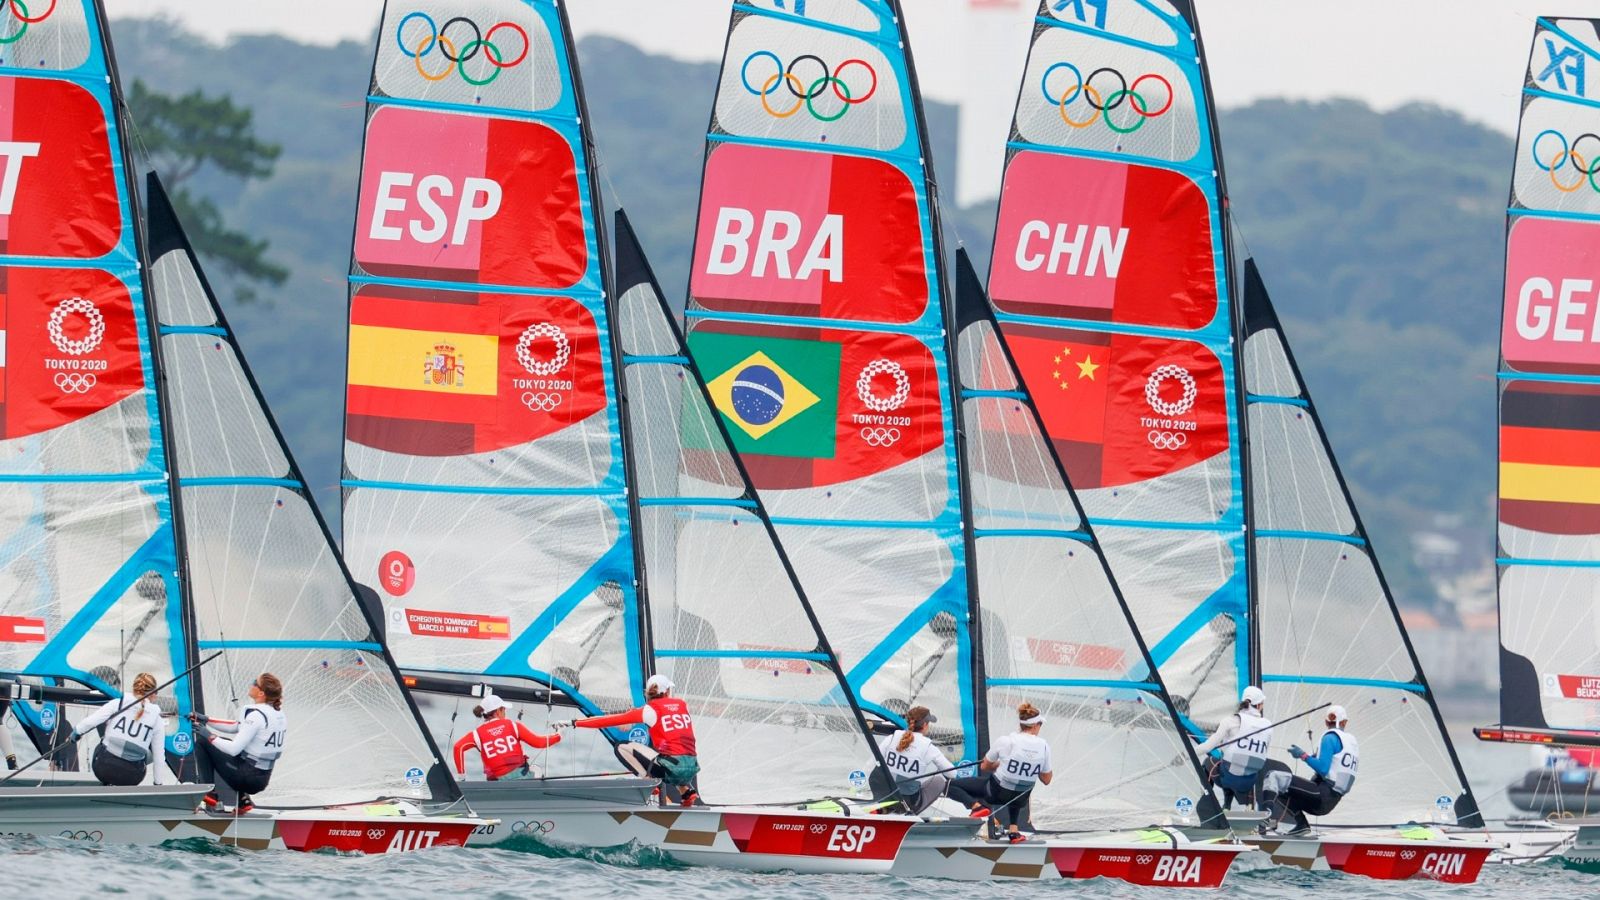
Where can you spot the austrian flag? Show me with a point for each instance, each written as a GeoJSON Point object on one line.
{"type": "Point", "coordinates": [21, 630]}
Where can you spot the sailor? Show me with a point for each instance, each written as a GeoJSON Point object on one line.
{"type": "Point", "coordinates": [132, 739]}
{"type": "Point", "coordinates": [914, 763]}
{"type": "Point", "coordinates": [670, 755]}
{"type": "Point", "coordinates": [7, 746]}
{"type": "Point", "coordinates": [499, 741]}
{"type": "Point", "coordinates": [1335, 764]}
{"type": "Point", "coordinates": [1012, 767]}
{"type": "Point", "coordinates": [1239, 748]}
{"type": "Point", "coordinates": [243, 761]}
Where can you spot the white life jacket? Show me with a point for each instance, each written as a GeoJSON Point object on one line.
{"type": "Point", "coordinates": [1342, 768]}
{"type": "Point", "coordinates": [1020, 759]}
{"type": "Point", "coordinates": [131, 733]}
{"type": "Point", "coordinates": [267, 744]}
{"type": "Point", "coordinates": [1247, 754]}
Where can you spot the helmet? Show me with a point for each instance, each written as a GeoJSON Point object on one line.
{"type": "Point", "coordinates": [1253, 696]}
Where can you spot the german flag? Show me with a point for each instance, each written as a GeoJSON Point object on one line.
{"type": "Point", "coordinates": [1550, 457]}
{"type": "Point", "coordinates": [445, 373]}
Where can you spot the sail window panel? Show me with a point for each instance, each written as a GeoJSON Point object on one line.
{"type": "Point", "coordinates": [60, 546]}
{"type": "Point", "coordinates": [1267, 371]}
{"type": "Point", "coordinates": [179, 294]}
{"type": "Point", "coordinates": [218, 426]}
{"type": "Point", "coordinates": [1296, 487]}
{"type": "Point", "coordinates": [1524, 543]}
{"type": "Point", "coordinates": [260, 568]}
{"type": "Point", "coordinates": [137, 632]}
{"type": "Point", "coordinates": [1179, 586]}
{"type": "Point", "coordinates": [1084, 92]}
{"type": "Point", "coordinates": [1556, 147]}
{"type": "Point", "coordinates": [1548, 616]}
{"type": "Point", "coordinates": [115, 439]}
{"type": "Point", "coordinates": [852, 14]}
{"type": "Point", "coordinates": [1138, 20]}
{"type": "Point", "coordinates": [982, 361]}
{"type": "Point", "coordinates": [47, 34]}
{"type": "Point", "coordinates": [593, 648]}
{"type": "Point", "coordinates": [579, 454]}
{"type": "Point", "coordinates": [1200, 492]}
{"type": "Point", "coordinates": [1049, 612]}
{"type": "Point", "coordinates": [1405, 767]}
{"type": "Point", "coordinates": [1117, 758]}
{"type": "Point", "coordinates": [351, 735]}
{"type": "Point", "coordinates": [1323, 613]}
{"type": "Point", "coordinates": [1013, 479]}
{"type": "Point", "coordinates": [640, 326]}
{"type": "Point", "coordinates": [677, 450]}
{"type": "Point", "coordinates": [786, 81]}
{"type": "Point", "coordinates": [481, 53]}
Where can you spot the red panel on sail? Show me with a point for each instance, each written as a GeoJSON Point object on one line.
{"type": "Point", "coordinates": [808, 408]}
{"type": "Point", "coordinates": [438, 373]}
{"type": "Point", "coordinates": [70, 347]}
{"type": "Point", "coordinates": [465, 198]}
{"type": "Point", "coordinates": [1552, 296]}
{"type": "Point", "coordinates": [794, 232]}
{"type": "Point", "coordinates": [1089, 239]}
{"type": "Point", "coordinates": [58, 191]}
{"type": "Point", "coordinates": [1123, 408]}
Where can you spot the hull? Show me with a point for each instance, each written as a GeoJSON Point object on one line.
{"type": "Point", "coordinates": [1518, 843]}
{"type": "Point", "coordinates": [609, 812]}
{"type": "Point", "coordinates": [152, 815]}
{"type": "Point", "coordinates": [1175, 863]}
{"type": "Point", "coordinates": [1586, 842]}
{"type": "Point", "coordinates": [1386, 857]}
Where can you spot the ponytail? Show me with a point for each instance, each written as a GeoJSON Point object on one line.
{"type": "Point", "coordinates": [916, 720]}
{"type": "Point", "coordinates": [143, 685]}
{"type": "Point", "coordinates": [271, 689]}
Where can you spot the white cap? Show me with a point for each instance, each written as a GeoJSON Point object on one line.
{"type": "Point", "coordinates": [659, 683]}
{"type": "Point", "coordinates": [1337, 713]}
{"type": "Point", "coordinates": [1253, 696]}
{"type": "Point", "coordinates": [491, 703]}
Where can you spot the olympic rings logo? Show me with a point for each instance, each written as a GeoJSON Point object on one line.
{"type": "Point", "coordinates": [1101, 102]}
{"type": "Point", "coordinates": [375, 833]}
{"type": "Point", "coordinates": [1145, 859]}
{"type": "Point", "coordinates": [539, 401]}
{"type": "Point", "coordinates": [1167, 440]}
{"type": "Point", "coordinates": [880, 437]}
{"type": "Point", "coordinates": [546, 367]}
{"type": "Point", "coordinates": [1408, 854]}
{"type": "Point", "coordinates": [1586, 165]}
{"type": "Point", "coordinates": [95, 836]}
{"type": "Point", "coordinates": [902, 386]}
{"type": "Point", "coordinates": [819, 827]}
{"type": "Point", "coordinates": [457, 52]}
{"type": "Point", "coordinates": [544, 827]}
{"type": "Point", "coordinates": [85, 308]}
{"type": "Point", "coordinates": [75, 382]}
{"type": "Point", "coordinates": [804, 93]}
{"type": "Point", "coordinates": [1152, 390]}
{"type": "Point", "coordinates": [19, 11]}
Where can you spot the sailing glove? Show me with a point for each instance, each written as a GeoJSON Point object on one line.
{"type": "Point", "coordinates": [1296, 752]}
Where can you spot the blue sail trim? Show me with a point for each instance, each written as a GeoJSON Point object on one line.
{"type": "Point", "coordinates": [881, 38]}
{"type": "Point", "coordinates": [616, 565]}
{"type": "Point", "coordinates": [1506, 375]}
{"type": "Point", "coordinates": [1554, 214]}
{"type": "Point", "coordinates": [913, 329]}
{"type": "Point", "coordinates": [554, 120]}
{"type": "Point", "coordinates": [975, 394]}
{"type": "Point", "coordinates": [941, 523]}
{"type": "Point", "coordinates": [1281, 401]}
{"type": "Point", "coordinates": [152, 479]}
{"type": "Point", "coordinates": [1213, 332]}
{"type": "Point", "coordinates": [738, 502]}
{"type": "Point", "coordinates": [1226, 525]}
{"type": "Point", "coordinates": [1292, 534]}
{"type": "Point", "coordinates": [891, 156]}
{"type": "Point", "coordinates": [370, 646]}
{"type": "Point", "coordinates": [1195, 173]}
{"type": "Point", "coordinates": [1408, 686]}
{"type": "Point", "coordinates": [1561, 98]}
{"type": "Point", "coordinates": [1553, 27]}
{"type": "Point", "coordinates": [1079, 536]}
{"type": "Point", "coordinates": [587, 294]}
{"type": "Point", "coordinates": [212, 330]}
{"type": "Point", "coordinates": [241, 481]}
{"type": "Point", "coordinates": [115, 262]}
{"type": "Point", "coordinates": [1557, 563]}
{"type": "Point", "coordinates": [1111, 683]}
{"type": "Point", "coordinates": [743, 654]}
{"type": "Point", "coordinates": [1173, 53]}
{"type": "Point", "coordinates": [1228, 599]}
{"type": "Point", "coordinates": [655, 360]}
{"type": "Point", "coordinates": [603, 491]}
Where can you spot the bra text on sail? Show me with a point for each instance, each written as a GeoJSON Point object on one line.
{"type": "Point", "coordinates": [781, 233]}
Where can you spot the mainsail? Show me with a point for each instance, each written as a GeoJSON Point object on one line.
{"type": "Point", "coordinates": [1328, 627]}
{"type": "Point", "coordinates": [1549, 524]}
{"type": "Point", "coordinates": [1110, 279]}
{"type": "Point", "coordinates": [724, 604]}
{"type": "Point", "coordinates": [817, 314]}
{"type": "Point", "coordinates": [89, 565]}
{"type": "Point", "coordinates": [485, 486]}
{"type": "Point", "coordinates": [265, 583]}
{"type": "Point", "coordinates": [1057, 633]}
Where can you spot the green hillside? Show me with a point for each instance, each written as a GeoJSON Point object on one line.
{"type": "Point", "coordinates": [1382, 251]}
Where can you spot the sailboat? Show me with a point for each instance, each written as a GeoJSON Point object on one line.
{"type": "Point", "coordinates": [154, 515]}
{"type": "Point", "coordinates": [1547, 550]}
{"type": "Point", "coordinates": [1205, 473]}
{"type": "Point", "coordinates": [516, 472]}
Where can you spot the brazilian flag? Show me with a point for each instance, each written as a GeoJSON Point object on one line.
{"type": "Point", "coordinates": [779, 396]}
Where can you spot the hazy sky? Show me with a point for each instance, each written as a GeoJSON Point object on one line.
{"type": "Point", "coordinates": [1465, 55]}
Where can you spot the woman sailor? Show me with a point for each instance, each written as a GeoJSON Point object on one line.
{"type": "Point", "coordinates": [915, 764]}
{"type": "Point", "coordinates": [133, 737]}
{"type": "Point", "coordinates": [244, 760]}
{"type": "Point", "coordinates": [1240, 745]}
{"type": "Point", "coordinates": [499, 742]}
{"type": "Point", "coordinates": [671, 754]}
{"type": "Point", "coordinates": [1334, 764]}
{"type": "Point", "coordinates": [1013, 766]}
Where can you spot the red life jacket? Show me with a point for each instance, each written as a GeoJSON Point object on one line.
{"type": "Point", "coordinates": [673, 731]}
{"type": "Point", "coordinates": [501, 747]}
